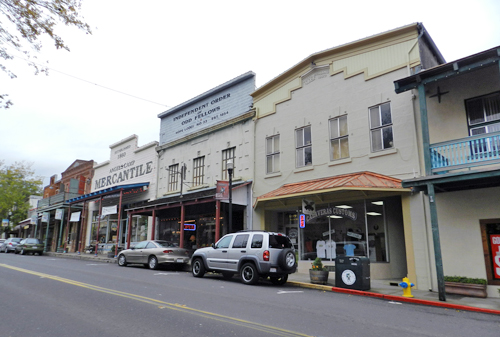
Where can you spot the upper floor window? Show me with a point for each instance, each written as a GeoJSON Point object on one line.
{"type": "Point", "coordinates": [339, 138]}
{"type": "Point", "coordinates": [228, 154]}
{"type": "Point", "coordinates": [484, 114]}
{"type": "Point", "coordinates": [303, 146]}
{"type": "Point", "coordinates": [273, 154]}
{"type": "Point", "coordinates": [173, 177]}
{"type": "Point", "coordinates": [381, 127]}
{"type": "Point", "coordinates": [198, 170]}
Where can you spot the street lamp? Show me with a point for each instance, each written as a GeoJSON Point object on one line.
{"type": "Point", "coordinates": [230, 168]}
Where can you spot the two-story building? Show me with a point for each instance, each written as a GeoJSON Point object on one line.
{"type": "Point", "coordinates": [458, 130]}
{"type": "Point", "coordinates": [199, 140]}
{"type": "Point", "coordinates": [334, 141]}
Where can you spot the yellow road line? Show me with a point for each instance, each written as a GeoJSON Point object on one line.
{"type": "Point", "coordinates": [166, 305]}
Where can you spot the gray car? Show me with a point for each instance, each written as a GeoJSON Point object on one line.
{"type": "Point", "coordinates": [251, 254]}
{"type": "Point", "coordinates": [9, 245]}
{"type": "Point", "coordinates": [153, 253]}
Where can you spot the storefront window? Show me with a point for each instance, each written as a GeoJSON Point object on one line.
{"type": "Point", "coordinates": [342, 229]}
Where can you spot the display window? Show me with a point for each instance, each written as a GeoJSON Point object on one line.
{"type": "Point", "coordinates": [354, 228]}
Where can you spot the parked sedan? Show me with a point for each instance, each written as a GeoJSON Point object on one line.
{"type": "Point", "coordinates": [30, 245]}
{"type": "Point", "coordinates": [9, 245]}
{"type": "Point", "coordinates": [153, 253]}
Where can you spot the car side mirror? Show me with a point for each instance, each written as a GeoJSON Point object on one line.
{"type": "Point", "coordinates": [213, 245]}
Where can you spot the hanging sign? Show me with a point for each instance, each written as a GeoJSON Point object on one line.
{"type": "Point", "coordinates": [45, 217]}
{"type": "Point", "coordinates": [222, 190]}
{"type": "Point", "coordinates": [495, 251]}
{"type": "Point", "coordinates": [108, 210]}
{"type": "Point", "coordinates": [59, 213]}
{"type": "Point", "coordinates": [75, 217]}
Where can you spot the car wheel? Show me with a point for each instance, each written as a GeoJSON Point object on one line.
{"type": "Point", "coordinates": [227, 275]}
{"type": "Point", "coordinates": [22, 252]}
{"type": "Point", "coordinates": [286, 259]}
{"type": "Point", "coordinates": [122, 260]}
{"type": "Point", "coordinates": [280, 280]}
{"type": "Point", "coordinates": [249, 274]}
{"type": "Point", "coordinates": [153, 262]}
{"type": "Point", "coordinates": [40, 253]}
{"type": "Point", "coordinates": [198, 269]}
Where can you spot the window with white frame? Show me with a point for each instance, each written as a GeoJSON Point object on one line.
{"type": "Point", "coordinates": [198, 171]}
{"type": "Point", "coordinates": [273, 154]}
{"type": "Point", "coordinates": [381, 127]}
{"type": "Point", "coordinates": [339, 138]}
{"type": "Point", "coordinates": [303, 146]}
{"type": "Point", "coordinates": [483, 115]}
{"type": "Point", "coordinates": [173, 177]}
{"type": "Point", "coordinates": [228, 154]}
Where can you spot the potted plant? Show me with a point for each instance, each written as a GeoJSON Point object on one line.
{"type": "Point", "coordinates": [461, 285]}
{"type": "Point", "coordinates": [111, 253]}
{"type": "Point", "coordinates": [318, 272]}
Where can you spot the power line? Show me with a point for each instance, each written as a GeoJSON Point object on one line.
{"type": "Point", "coordinates": [102, 86]}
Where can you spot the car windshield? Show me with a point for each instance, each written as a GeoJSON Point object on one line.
{"type": "Point", "coordinates": [165, 244]}
{"type": "Point", "coordinates": [279, 241]}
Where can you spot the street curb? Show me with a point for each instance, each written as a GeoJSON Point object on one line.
{"type": "Point", "coordinates": [395, 298]}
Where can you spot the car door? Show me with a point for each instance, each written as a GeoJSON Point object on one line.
{"type": "Point", "coordinates": [237, 250]}
{"type": "Point", "coordinates": [217, 258]}
{"type": "Point", "coordinates": [134, 256]}
{"type": "Point", "coordinates": [146, 251]}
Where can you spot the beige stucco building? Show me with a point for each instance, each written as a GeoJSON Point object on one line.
{"type": "Point", "coordinates": [334, 141]}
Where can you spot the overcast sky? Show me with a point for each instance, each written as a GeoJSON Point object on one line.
{"type": "Point", "coordinates": [147, 56]}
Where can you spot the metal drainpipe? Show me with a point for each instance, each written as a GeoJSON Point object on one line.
{"type": "Point", "coordinates": [426, 236]}
{"type": "Point", "coordinates": [409, 51]}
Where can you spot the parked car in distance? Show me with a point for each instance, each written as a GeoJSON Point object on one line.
{"type": "Point", "coordinates": [251, 254]}
{"type": "Point", "coordinates": [153, 253]}
{"type": "Point", "coordinates": [29, 245]}
{"type": "Point", "coordinates": [9, 245]}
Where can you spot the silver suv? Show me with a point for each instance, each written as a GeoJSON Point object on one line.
{"type": "Point", "coordinates": [251, 254]}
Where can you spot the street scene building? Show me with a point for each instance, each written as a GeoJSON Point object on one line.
{"type": "Point", "coordinates": [334, 141]}
{"type": "Point", "coordinates": [458, 128]}
{"type": "Point", "coordinates": [206, 145]}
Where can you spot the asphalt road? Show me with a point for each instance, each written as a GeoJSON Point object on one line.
{"type": "Point", "coordinates": [47, 296]}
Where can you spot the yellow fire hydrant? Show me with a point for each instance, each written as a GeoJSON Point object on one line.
{"type": "Point", "coordinates": [406, 285]}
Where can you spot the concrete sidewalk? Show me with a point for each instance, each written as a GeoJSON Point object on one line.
{"type": "Point", "coordinates": [383, 289]}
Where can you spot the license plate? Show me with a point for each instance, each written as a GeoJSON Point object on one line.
{"type": "Point", "coordinates": [180, 261]}
{"type": "Point", "coordinates": [273, 270]}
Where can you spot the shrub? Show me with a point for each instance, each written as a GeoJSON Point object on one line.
{"type": "Point", "coordinates": [318, 264]}
{"type": "Point", "coordinates": [463, 279]}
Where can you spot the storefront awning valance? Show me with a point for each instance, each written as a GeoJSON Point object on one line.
{"type": "Point", "coordinates": [106, 191]}
{"type": "Point", "coordinates": [361, 181]}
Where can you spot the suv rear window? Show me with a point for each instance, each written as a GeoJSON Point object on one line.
{"type": "Point", "coordinates": [279, 241]}
{"type": "Point", "coordinates": [257, 241]}
{"type": "Point", "coordinates": [241, 241]}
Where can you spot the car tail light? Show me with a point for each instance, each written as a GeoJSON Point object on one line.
{"type": "Point", "coordinates": [168, 251]}
{"type": "Point", "coordinates": [265, 255]}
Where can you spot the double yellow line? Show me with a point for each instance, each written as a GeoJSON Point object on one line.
{"type": "Point", "coordinates": [166, 305]}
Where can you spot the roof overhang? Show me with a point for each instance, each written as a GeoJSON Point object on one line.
{"type": "Point", "coordinates": [455, 181]}
{"type": "Point", "coordinates": [106, 191]}
{"type": "Point", "coordinates": [445, 71]}
{"type": "Point", "coordinates": [347, 186]}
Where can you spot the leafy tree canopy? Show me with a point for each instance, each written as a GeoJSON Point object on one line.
{"type": "Point", "coordinates": [16, 185]}
{"type": "Point", "coordinates": [23, 23]}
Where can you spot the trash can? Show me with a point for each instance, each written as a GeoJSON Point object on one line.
{"type": "Point", "coordinates": [352, 272]}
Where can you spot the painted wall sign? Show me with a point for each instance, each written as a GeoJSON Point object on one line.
{"type": "Point", "coordinates": [218, 105]}
{"type": "Point", "coordinates": [495, 252]}
{"type": "Point", "coordinates": [343, 212]}
{"type": "Point", "coordinates": [123, 173]}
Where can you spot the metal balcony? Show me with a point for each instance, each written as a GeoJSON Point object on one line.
{"type": "Point", "coordinates": [56, 199]}
{"type": "Point", "coordinates": [465, 153]}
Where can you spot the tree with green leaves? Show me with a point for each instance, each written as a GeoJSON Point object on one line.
{"type": "Point", "coordinates": [24, 23]}
{"type": "Point", "coordinates": [17, 183]}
